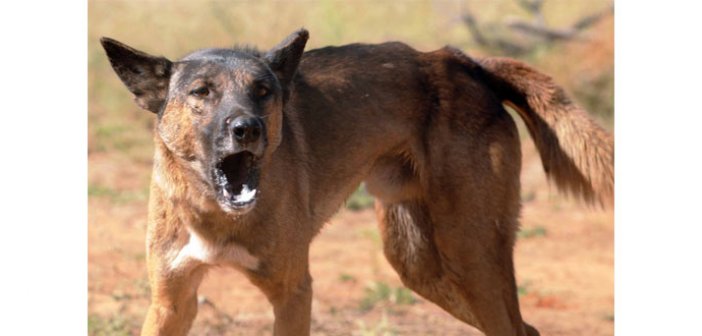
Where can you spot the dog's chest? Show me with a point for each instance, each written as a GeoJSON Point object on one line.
{"type": "Point", "coordinates": [199, 251]}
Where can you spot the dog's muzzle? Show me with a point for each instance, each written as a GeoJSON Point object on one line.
{"type": "Point", "coordinates": [236, 168]}
{"type": "Point", "coordinates": [236, 177]}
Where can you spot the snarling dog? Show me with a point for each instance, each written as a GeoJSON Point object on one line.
{"type": "Point", "coordinates": [254, 151]}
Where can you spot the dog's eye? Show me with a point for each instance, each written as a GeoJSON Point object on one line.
{"type": "Point", "coordinates": [262, 91]}
{"type": "Point", "coordinates": [200, 92]}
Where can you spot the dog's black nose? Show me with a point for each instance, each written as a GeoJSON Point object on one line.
{"type": "Point", "coordinates": [246, 129]}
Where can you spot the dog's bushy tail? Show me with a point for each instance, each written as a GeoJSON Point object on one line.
{"type": "Point", "coordinates": [577, 154]}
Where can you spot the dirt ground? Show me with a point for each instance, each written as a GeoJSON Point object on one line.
{"type": "Point", "coordinates": [564, 262]}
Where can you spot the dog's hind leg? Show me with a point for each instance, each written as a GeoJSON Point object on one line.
{"type": "Point", "coordinates": [449, 223]}
{"type": "Point", "coordinates": [409, 247]}
{"type": "Point", "coordinates": [476, 254]}
{"type": "Point", "coordinates": [473, 282]}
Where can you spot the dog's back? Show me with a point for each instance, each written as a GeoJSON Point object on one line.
{"type": "Point", "coordinates": [392, 98]}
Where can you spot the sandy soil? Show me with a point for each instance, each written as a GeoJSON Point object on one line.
{"type": "Point", "coordinates": [564, 262]}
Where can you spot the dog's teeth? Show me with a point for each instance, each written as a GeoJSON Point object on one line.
{"type": "Point", "coordinates": [246, 195]}
{"type": "Point", "coordinates": [221, 179]}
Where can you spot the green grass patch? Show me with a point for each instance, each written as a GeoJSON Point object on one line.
{"type": "Point", "coordinates": [372, 235]}
{"type": "Point", "coordinates": [538, 231]}
{"type": "Point", "coordinates": [524, 288]}
{"type": "Point", "coordinates": [528, 196]}
{"type": "Point", "coordinates": [109, 131]}
{"type": "Point", "coordinates": [360, 199]}
{"type": "Point", "coordinates": [596, 94]}
{"type": "Point", "coordinates": [379, 292]}
{"type": "Point", "coordinates": [101, 191]}
{"type": "Point", "coordinates": [113, 136]}
{"type": "Point", "coordinates": [108, 326]}
{"type": "Point", "coordinates": [117, 196]}
{"type": "Point", "coordinates": [382, 328]}
{"type": "Point", "coordinates": [344, 277]}
{"type": "Point", "coordinates": [143, 288]}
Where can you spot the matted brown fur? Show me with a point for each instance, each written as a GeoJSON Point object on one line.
{"type": "Point", "coordinates": [427, 132]}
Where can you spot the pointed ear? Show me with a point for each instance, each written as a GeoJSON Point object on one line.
{"type": "Point", "coordinates": [284, 58]}
{"type": "Point", "coordinates": [144, 75]}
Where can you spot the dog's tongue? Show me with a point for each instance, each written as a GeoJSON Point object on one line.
{"type": "Point", "coordinates": [246, 195]}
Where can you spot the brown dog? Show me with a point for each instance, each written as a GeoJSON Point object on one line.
{"type": "Point", "coordinates": [255, 151]}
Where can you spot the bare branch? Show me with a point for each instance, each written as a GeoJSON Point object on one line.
{"type": "Point", "coordinates": [542, 31]}
{"type": "Point", "coordinates": [592, 19]}
{"type": "Point", "coordinates": [554, 34]}
{"type": "Point", "coordinates": [487, 37]}
{"type": "Point", "coordinates": [533, 6]}
{"type": "Point", "coordinates": [474, 30]}
{"type": "Point", "coordinates": [500, 44]}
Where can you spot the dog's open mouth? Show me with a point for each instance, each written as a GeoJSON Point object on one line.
{"type": "Point", "coordinates": [236, 180]}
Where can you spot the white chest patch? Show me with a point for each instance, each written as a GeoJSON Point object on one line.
{"type": "Point", "coordinates": [197, 251]}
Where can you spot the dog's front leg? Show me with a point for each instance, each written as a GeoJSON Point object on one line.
{"type": "Point", "coordinates": [290, 293]}
{"type": "Point", "coordinates": [292, 310]}
{"type": "Point", "coordinates": [173, 296]}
